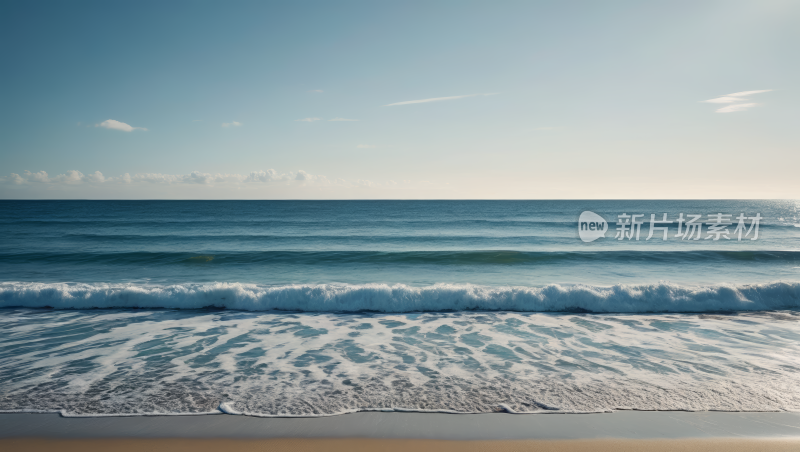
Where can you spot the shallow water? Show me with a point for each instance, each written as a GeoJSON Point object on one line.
{"type": "Point", "coordinates": [180, 361]}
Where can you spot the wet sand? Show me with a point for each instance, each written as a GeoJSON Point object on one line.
{"type": "Point", "coordinates": [398, 445]}
{"type": "Point", "coordinates": [397, 431]}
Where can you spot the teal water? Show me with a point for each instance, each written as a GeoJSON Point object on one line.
{"type": "Point", "coordinates": [525, 243]}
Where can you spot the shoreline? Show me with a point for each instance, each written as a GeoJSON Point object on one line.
{"type": "Point", "coordinates": [620, 425]}
{"type": "Point", "coordinates": [399, 445]}
{"type": "Point", "coordinates": [224, 409]}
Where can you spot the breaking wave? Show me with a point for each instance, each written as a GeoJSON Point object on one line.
{"type": "Point", "coordinates": [400, 298]}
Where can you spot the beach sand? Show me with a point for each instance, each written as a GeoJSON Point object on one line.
{"type": "Point", "coordinates": [399, 445]}
{"type": "Point", "coordinates": [418, 432]}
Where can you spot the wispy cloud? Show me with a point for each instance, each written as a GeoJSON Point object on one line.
{"type": "Point", "coordinates": [342, 119]}
{"type": "Point", "coordinates": [735, 97]}
{"type": "Point", "coordinates": [437, 99]}
{"type": "Point", "coordinates": [308, 119]}
{"type": "Point", "coordinates": [117, 125]}
{"type": "Point", "coordinates": [738, 101]}
{"type": "Point", "coordinates": [315, 91]}
{"type": "Point", "coordinates": [366, 146]}
{"type": "Point", "coordinates": [735, 107]}
{"type": "Point", "coordinates": [232, 124]}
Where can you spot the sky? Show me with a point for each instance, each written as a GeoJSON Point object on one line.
{"type": "Point", "coordinates": [399, 100]}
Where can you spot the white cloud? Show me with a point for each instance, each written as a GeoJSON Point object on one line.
{"type": "Point", "coordinates": [735, 107]}
{"type": "Point", "coordinates": [308, 119]}
{"type": "Point", "coordinates": [365, 146]}
{"type": "Point", "coordinates": [342, 119]}
{"type": "Point", "coordinates": [735, 97]}
{"type": "Point", "coordinates": [437, 99]}
{"type": "Point", "coordinates": [262, 176]}
{"type": "Point", "coordinates": [16, 179]}
{"type": "Point", "coordinates": [116, 125]}
{"type": "Point", "coordinates": [40, 176]}
{"type": "Point", "coordinates": [231, 124]}
{"type": "Point", "coordinates": [722, 100]}
{"type": "Point", "coordinates": [195, 177]}
{"type": "Point", "coordinates": [70, 177]}
{"type": "Point", "coordinates": [738, 99]}
{"type": "Point", "coordinates": [254, 184]}
{"type": "Point", "coordinates": [261, 184]}
{"type": "Point", "coordinates": [97, 176]}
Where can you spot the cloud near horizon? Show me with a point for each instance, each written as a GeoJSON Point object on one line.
{"type": "Point", "coordinates": [437, 99]}
{"type": "Point", "coordinates": [308, 119]}
{"type": "Point", "coordinates": [41, 177]}
{"type": "Point", "coordinates": [262, 184]}
{"type": "Point", "coordinates": [232, 124]}
{"type": "Point", "coordinates": [117, 125]}
{"type": "Point", "coordinates": [342, 119]}
{"type": "Point", "coordinates": [195, 177]}
{"type": "Point", "coordinates": [737, 101]}
{"type": "Point", "coordinates": [254, 178]}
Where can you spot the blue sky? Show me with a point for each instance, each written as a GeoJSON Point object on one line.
{"type": "Point", "coordinates": [272, 100]}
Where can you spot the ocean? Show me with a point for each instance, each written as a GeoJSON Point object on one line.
{"type": "Point", "coordinates": [315, 308]}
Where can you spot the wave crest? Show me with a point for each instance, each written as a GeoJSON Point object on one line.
{"type": "Point", "coordinates": [400, 298]}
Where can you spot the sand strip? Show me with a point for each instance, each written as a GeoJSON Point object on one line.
{"type": "Point", "coordinates": [478, 427]}
{"type": "Point", "coordinates": [399, 445]}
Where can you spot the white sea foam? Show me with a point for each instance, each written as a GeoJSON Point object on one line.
{"type": "Point", "coordinates": [399, 298]}
{"type": "Point", "coordinates": [91, 363]}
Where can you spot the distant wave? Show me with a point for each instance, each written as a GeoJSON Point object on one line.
{"type": "Point", "coordinates": [201, 223]}
{"type": "Point", "coordinates": [493, 257]}
{"type": "Point", "coordinates": [661, 297]}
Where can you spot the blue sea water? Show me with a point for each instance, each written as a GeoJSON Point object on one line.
{"type": "Point", "coordinates": [323, 307]}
